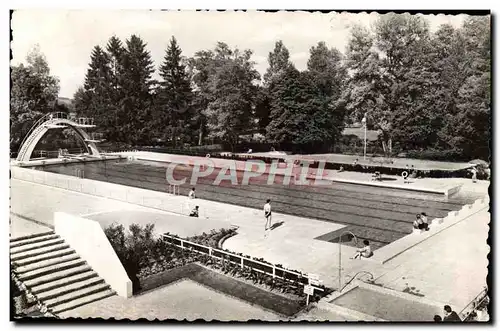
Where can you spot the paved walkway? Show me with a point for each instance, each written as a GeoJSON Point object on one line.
{"type": "Point", "coordinates": [44, 200]}
{"type": "Point", "coordinates": [20, 227]}
{"type": "Point", "coordinates": [450, 267]}
{"type": "Point", "coordinates": [181, 300]}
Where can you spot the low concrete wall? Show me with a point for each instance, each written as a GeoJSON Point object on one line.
{"type": "Point", "coordinates": [397, 247]}
{"type": "Point", "coordinates": [146, 198]}
{"type": "Point", "coordinates": [87, 238]}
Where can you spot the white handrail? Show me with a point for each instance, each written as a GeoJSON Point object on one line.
{"type": "Point", "coordinates": [243, 258]}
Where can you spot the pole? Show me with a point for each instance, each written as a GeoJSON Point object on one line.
{"type": "Point", "coordinates": [340, 255]}
{"type": "Point", "coordinates": [364, 154]}
{"type": "Point", "coordinates": [340, 262]}
{"type": "Point", "coordinates": [307, 302]}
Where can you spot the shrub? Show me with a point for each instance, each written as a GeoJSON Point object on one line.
{"type": "Point", "coordinates": [137, 249]}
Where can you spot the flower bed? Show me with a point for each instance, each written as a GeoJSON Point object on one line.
{"type": "Point", "coordinates": [287, 282]}
{"type": "Point", "coordinates": [144, 256]}
{"type": "Point", "coordinates": [214, 238]}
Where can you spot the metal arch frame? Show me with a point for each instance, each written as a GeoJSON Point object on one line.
{"type": "Point", "coordinates": [35, 136]}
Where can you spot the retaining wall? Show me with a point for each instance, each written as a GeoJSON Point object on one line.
{"type": "Point", "coordinates": [146, 198]}
{"type": "Point", "coordinates": [89, 241]}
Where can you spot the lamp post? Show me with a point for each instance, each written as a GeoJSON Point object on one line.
{"type": "Point", "coordinates": [340, 254]}
{"type": "Point", "coordinates": [364, 124]}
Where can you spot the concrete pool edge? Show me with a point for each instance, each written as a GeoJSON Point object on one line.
{"type": "Point", "coordinates": [394, 249]}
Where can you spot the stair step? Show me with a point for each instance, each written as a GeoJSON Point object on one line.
{"type": "Point", "coordinates": [76, 295]}
{"type": "Point", "coordinates": [38, 252]}
{"type": "Point", "coordinates": [31, 236]}
{"type": "Point", "coordinates": [46, 263]}
{"type": "Point", "coordinates": [51, 269]}
{"type": "Point", "coordinates": [57, 275]}
{"type": "Point", "coordinates": [33, 240]}
{"type": "Point", "coordinates": [43, 257]}
{"type": "Point", "coordinates": [83, 301]}
{"type": "Point", "coordinates": [63, 282]}
{"type": "Point", "coordinates": [38, 245]}
{"type": "Point", "coordinates": [70, 288]}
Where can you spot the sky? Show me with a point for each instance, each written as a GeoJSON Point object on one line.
{"type": "Point", "coordinates": [66, 37]}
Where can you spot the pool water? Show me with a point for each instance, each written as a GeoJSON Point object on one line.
{"type": "Point", "coordinates": [380, 215]}
{"type": "Point", "coordinates": [386, 306]}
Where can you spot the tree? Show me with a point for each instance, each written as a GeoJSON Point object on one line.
{"type": "Point", "coordinates": [327, 69]}
{"type": "Point", "coordinates": [175, 96]}
{"type": "Point", "coordinates": [279, 62]}
{"type": "Point", "coordinates": [116, 52]}
{"type": "Point", "coordinates": [232, 90]}
{"type": "Point", "coordinates": [471, 125]}
{"type": "Point", "coordinates": [400, 38]}
{"type": "Point", "coordinates": [366, 85]}
{"type": "Point", "coordinates": [200, 68]}
{"type": "Point", "coordinates": [299, 115]}
{"type": "Point", "coordinates": [33, 94]}
{"type": "Point", "coordinates": [135, 117]}
{"type": "Point", "coordinates": [328, 74]}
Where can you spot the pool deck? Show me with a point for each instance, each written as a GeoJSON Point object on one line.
{"type": "Point", "coordinates": [440, 268]}
{"type": "Point", "coordinates": [66, 160]}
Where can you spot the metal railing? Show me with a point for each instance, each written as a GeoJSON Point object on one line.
{"type": "Point", "coordinates": [46, 117]}
{"type": "Point", "coordinates": [353, 277]}
{"type": "Point", "coordinates": [467, 312]}
{"type": "Point", "coordinates": [242, 261]}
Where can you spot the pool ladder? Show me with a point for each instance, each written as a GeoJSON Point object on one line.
{"type": "Point", "coordinates": [173, 189]}
{"type": "Point", "coordinates": [80, 173]}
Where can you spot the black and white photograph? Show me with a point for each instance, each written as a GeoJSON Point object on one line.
{"type": "Point", "coordinates": [250, 165]}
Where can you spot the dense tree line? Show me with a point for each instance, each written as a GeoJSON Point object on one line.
{"type": "Point", "coordinates": [421, 90]}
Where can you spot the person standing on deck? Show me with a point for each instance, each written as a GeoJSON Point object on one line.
{"type": "Point", "coordinates": [192, 195]}
{"type": "Point", "coordinates": [267, 214]}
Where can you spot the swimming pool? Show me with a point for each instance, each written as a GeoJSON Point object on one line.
{"type": "Point", "coordinates": [380, 215]}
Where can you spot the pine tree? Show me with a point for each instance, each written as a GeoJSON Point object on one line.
{"type": "Point", "coordinates": [136, 104]}
{"type": "Point", "coordinates": [175, 96]}
{"type": "Point", "coordinates": [96, 86]}
{"type": "Point", "coordinates": [115, 51]}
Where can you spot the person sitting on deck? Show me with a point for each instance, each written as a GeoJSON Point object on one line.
{"type": "Point", "coordinates": [419, 223]}
{"type": "Point", "coordinates": [377, 176]}
{"type": "Point", "coordinates": [195, 212]}
{"type": "Point", "coordinates": [365, 252]}
{"type": "Point", "coordinates": [425, 221]}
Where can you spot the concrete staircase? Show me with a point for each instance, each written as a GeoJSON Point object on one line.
{"type": "Point", "coordinates": [54, 273]}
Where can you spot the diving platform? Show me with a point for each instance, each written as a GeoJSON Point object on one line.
{"type": "Point", "coordinates": [59, 120]}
